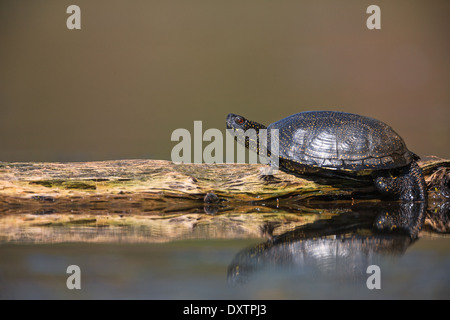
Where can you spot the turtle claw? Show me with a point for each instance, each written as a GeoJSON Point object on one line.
{"type": "Point", "coordinates": [408, 185]}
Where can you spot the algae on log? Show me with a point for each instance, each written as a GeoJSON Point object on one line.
{"type": "Point", "coordinates": [155, 200]}
{"type": "Point", "coordinates": [157, 183]}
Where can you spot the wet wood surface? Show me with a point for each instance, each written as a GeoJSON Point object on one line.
{"type": "Point", "coordinates": [158, 180]}
{"type": "Point", "coordinates": [156, 200]}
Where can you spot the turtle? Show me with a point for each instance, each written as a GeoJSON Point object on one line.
{"type": "Point", "coordinates": [334, 143]}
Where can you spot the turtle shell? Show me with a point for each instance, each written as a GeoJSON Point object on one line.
{"type": "Point", "coordinates": [340, 141]}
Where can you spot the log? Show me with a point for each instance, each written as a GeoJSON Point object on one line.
{"type": "Point", "coordinates": [156, 181]}
{"type": "Point", "coordinates": [198, 200]}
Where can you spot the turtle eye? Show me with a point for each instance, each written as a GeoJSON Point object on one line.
{"type": "Point", "coordinates": [240, 120]}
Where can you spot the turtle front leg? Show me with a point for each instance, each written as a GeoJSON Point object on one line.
{"type": "Point", "coordinates": [408, 185]}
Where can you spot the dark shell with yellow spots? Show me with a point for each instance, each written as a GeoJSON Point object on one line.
{"type": "Point", "coordinates": [346, 143]}
{"type": "Point", "coordinates": [340, 141]}
{"type": "Point", "coordinates": [334, 140]}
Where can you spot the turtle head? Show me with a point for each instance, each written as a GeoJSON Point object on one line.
{"type": "Point", "coordinates": [237, 122]}
{"type": "Point", "coordinates": [245, 131]}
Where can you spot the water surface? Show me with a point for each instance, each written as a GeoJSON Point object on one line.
{"type": "Point", "coordinates": [317, 256]}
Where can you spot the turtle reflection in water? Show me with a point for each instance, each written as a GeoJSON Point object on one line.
{"type": "Point", "coordinates": [342, 144]}
{"type": "Point", "coordinates": [342, 247]}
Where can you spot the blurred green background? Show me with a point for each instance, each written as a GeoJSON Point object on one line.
{"type": "Point", "coordinates": [137, 70]}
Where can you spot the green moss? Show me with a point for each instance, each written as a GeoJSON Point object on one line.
{"type": "Point", "coordinates": [78, 185]}
{"type": "Point", "coordinates": [45, 183]}
{"type": "Point", "coordinates": [67, 184]}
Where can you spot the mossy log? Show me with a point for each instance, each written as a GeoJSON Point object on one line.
{"type": "Point", "coordinates": [155, 200]}
{"type": "Point", "coordinates": [158, 183]}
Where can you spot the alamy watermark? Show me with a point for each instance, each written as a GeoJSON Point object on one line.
{"type": "Point", "coordinates": [74, 280]}
{"type": "Point", "coordinates": [374, 280]}
{"type": "Point", "coordinates": [190, 149]}
{"type": "Point", "coordinates": [73, 22]}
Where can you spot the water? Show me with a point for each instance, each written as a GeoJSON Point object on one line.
{"type": "Point", "coordinates": [318, 256]}
{"type": "Point", "coordinates": [197, 269]}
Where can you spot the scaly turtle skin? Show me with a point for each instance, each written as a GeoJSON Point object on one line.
{"type": "Point", "coordinates": [348, 144]}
